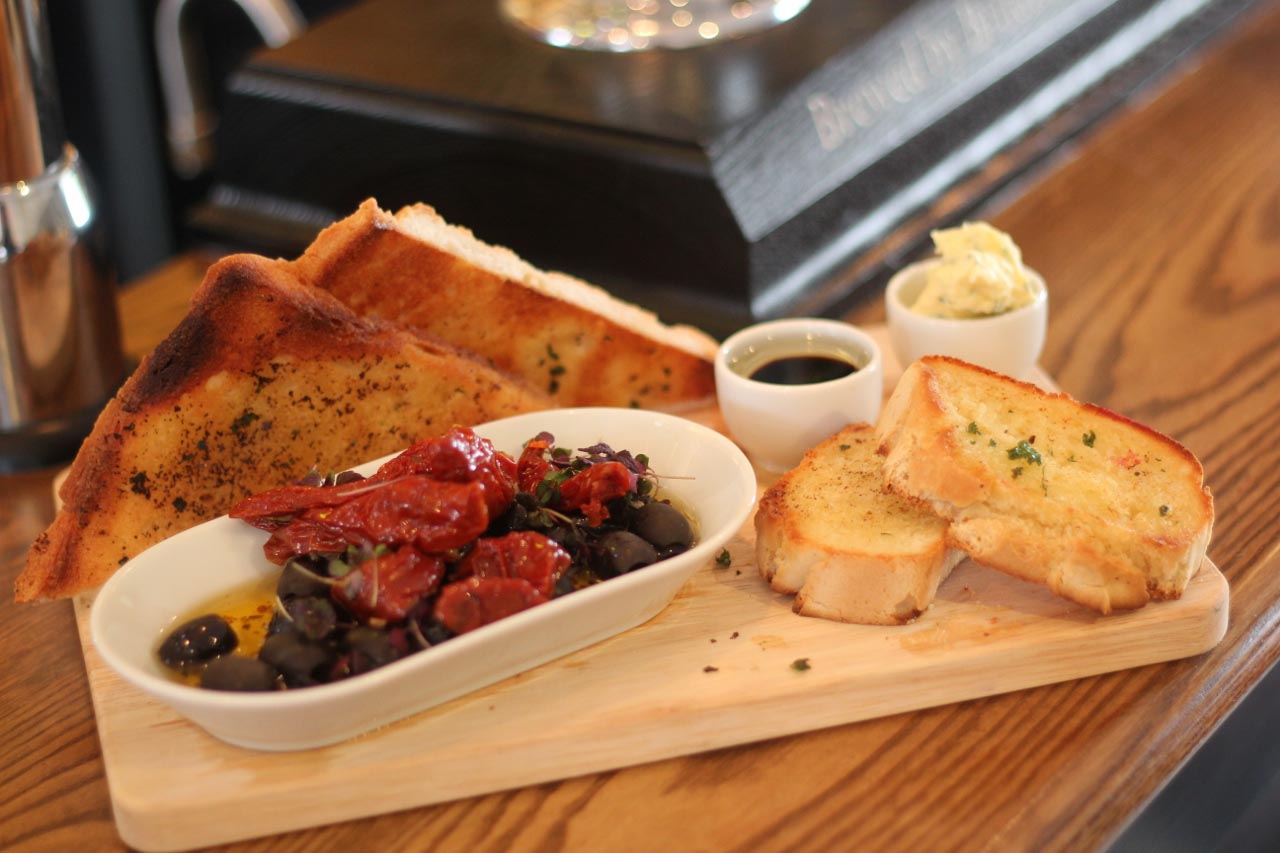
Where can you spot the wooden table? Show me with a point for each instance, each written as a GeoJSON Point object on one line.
{"type": "Point", "coordinates": [1160, 236]}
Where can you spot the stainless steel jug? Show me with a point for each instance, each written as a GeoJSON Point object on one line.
{"type": "Point", "coordinates": [60, 354]}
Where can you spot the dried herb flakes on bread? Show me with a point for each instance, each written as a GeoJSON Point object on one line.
{"type": "Point", "coordinates": [830, 532]}
{"type": "Point", "coordinates": [1104, 511]}
{"type": "Point", "coordinates": [562, 335]}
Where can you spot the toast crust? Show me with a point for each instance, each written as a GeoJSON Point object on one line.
{"type": "Point", "coordinates": [573, 340]}
{"type": "Point", "coordinates": [262, 380]}
{"type": "Point", "coordinates": [829, 532]}
{"type": "Point", "coordinates": [1111, 513]}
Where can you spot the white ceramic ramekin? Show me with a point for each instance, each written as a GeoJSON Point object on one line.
{"type": "Point", "coordinates": [776, 424]}
{"type": "Point", "coordinates": [1008, 343]}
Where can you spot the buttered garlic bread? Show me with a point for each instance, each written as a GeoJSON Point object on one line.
{"type": "Point", "coordinates": [262, 380]}
{"type": "Point", "coordinates": [1103, 510]}
{"type": "Point", "coordinates": [574, 341]}
{"type": "Point", "coordinates": [850, 550]}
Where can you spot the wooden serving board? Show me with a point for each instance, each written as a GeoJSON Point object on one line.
{"type": "Point", "coordinates": [717, 667]}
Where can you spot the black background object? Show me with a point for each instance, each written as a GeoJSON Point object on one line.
{"type": "Point", "coordinates": [717, 185]}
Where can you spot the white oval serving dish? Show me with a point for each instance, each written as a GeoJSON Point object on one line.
{"type": "Point", "coordinates": [144, 599]}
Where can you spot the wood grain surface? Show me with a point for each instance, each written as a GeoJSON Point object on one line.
{"type": "Point", "coordinates": [1160, 237]}
{"type": "Point", "coordinates": [713, 669]}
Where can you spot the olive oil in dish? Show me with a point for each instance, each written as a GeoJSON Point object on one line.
{"type": "Point", "coordinates": [247, 610]}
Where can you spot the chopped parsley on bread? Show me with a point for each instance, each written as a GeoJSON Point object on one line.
{"type": "Point", "coordinates": [1102, 510]}
{"type": "Point", "coordinates": [831, 533]}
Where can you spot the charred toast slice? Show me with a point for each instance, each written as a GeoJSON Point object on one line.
{"type": "Point", "coordinates": [851, 551]}
{"type": "Point", "coordinates": [1104, 511]}
{"type": "Point", "coordinates": [264, 379]}
{"type": "Point", "coordinates": [573, 340]}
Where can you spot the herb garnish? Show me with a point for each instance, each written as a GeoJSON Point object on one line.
{"type": "Point", "coordinates": [556, 371]}
{"type": "Point", "coordinates": [1164, 510]}
{"type": "Point", "coordinates": [800, 664]}
{"type": "Point", "coordinates": [638, 465]}
{"type": "Point", "coordinates": [1024, 450]}
{"type": "Point", "coordinates": [723, 558]}
{"type": "Point", "coordinates": [1088, 438]}
{"type": "Point", "coordinates": [241, 423]}
{"type": "Point", "coordinates": [973, 429]}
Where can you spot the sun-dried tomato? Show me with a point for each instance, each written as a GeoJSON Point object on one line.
{"type": "Point", "coordinates": [533, 465]}
{"type": "Point", "coordinates": [459, 456]}
{"type": "Point", "coordinates": [522, 554]}
{"type": "Point", "coordinates": [303, 536]}
{"type": "Point", "coordinates": [388, 585]}
{"type": "Point", "coordinates": [588, 490]}
{"type": "Point", "coordinates": [499, 481]}
{"type": "Point", "coordinates": [433, 515]}
{"type": "Point", "coordinates": [468, 604]}
{"type": "Point", "coordinates": [275, 508]}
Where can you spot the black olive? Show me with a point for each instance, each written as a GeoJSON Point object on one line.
{"type": "Point", "coordinates": [624, 551]}
{"type": "Point", "coordinates": [673, 550]}
{"type": "Point", "coordinates": [233, 672]}
{"type": "Point", "coordinates": [570, 536]}
{"type": "Point", "coordinates": [434, 633]}
{"type": "Point", "coordinates": [298, 660]}
{"type": "Point", "coordinates": [279, 622]}
{"type": "Point", "coordinates": [312, 616]}
{"type": "Point", "coordinates": [347, 477]}
{"type": "Point", "coordinates": [197, 641]}
{"type": "Point", "coordinates": [662, 525]}
{"type": "Point", "coordinates": [564, 585]}
{"type": "Point", "coordinates": [312, 478]}
{"type": "Point", "coordinates": [298, 579]}
{"type": "Point", "coordinates": [369, 649]}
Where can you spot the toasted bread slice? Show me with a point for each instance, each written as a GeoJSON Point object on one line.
{"type": "Point", "coordinates": [1106, 512]}
{"type": "Point", "coordinates": [571, 339]}
{"type": "Point", "coordinates": [850, 550]}
{"type": "Point", "coordinates": [262, 380]}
